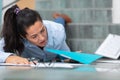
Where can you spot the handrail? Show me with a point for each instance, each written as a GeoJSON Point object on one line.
{"type": "Point", "coordinates": [10, 4]}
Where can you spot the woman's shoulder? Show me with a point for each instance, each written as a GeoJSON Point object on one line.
{"type": "Point", "coordinates": [53, 25]}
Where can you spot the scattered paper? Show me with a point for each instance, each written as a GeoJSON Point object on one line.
{"type": "Point", "coordinates": [10, 64]}
{"type": "Point", "coordinates": [110, 47]}
{"type": "Point", "coordinates": [52, 65]}
{"type": "Point", "coordinates": [108, 61]}
{"type": "Point", "coordinates": [85, 58]}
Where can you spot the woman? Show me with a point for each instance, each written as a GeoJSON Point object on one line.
{"type": "Point", "coordinates": [26, 35]}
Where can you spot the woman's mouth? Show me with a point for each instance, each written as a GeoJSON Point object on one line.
{"type": "Point", "coordinates": [43, 42]}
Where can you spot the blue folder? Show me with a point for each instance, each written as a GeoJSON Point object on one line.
{"type": "Point", "coordinates": [85, 58]}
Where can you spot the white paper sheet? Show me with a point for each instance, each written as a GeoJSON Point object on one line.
{"type": "Point", "coordinates": [52, 65]}
{"type": "Point", "coordinates": [10, 64]}
{"type": "Point", "coordinates": [110, 47]}
{"type": "Point", "coordinates": [108, 61]}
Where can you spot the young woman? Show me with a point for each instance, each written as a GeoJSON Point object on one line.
{"type": "Point", "coordinates": [26, 35]}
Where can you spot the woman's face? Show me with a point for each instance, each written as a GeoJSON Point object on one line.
{"type": "Point", "coordinates": [37, 34]}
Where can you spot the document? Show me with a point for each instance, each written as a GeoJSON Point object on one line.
{"type": "Point", "coordinates": [85, 58]}
{"type": "Point", "coordinates": [110, 47]}
{"type": "Point", "coordinates": [108, 61]}
{"type": "Point", "coordinates": [10, 64]}
{"type": "Point", "coordinates": [45, 64]}
{"type": "Point", "coordinates": [53, 65]}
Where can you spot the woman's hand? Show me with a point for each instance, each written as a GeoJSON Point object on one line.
{"type": "Point", "coordinates": [17, 60]}
{"type": "Point", "coordinates": [79, 51]}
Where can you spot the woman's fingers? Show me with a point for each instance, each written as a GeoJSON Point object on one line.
{"type": "Point", "coordinates": [79, 51]}
{"type": "Point", "coordinates": [17, 60]}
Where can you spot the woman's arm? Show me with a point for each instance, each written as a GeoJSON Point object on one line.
{"type": "Point", "coordinates": [9, 57]}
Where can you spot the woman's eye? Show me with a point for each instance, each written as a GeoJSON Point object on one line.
{"type": "Point", "coordinates": [42, 30]}
{"type": "Point", "coordinates": [34, 37]}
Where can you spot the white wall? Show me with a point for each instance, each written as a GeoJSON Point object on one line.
{"type": "Point", "coordinates": [4, 3]}
{"type": "Point", "coordinates": [116, 11]}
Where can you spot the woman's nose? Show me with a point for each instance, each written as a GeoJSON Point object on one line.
{"type": "Point", "coordinates": [41, 37]}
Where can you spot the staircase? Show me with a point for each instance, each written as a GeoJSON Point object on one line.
{"type": "Point", "coordinates": [92, 21]}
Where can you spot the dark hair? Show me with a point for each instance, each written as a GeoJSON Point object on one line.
{"type": "Point", "coordinates": [15, 25]}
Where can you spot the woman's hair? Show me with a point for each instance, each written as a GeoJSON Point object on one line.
{"type": "Point", "coordinates": [16, 22]}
